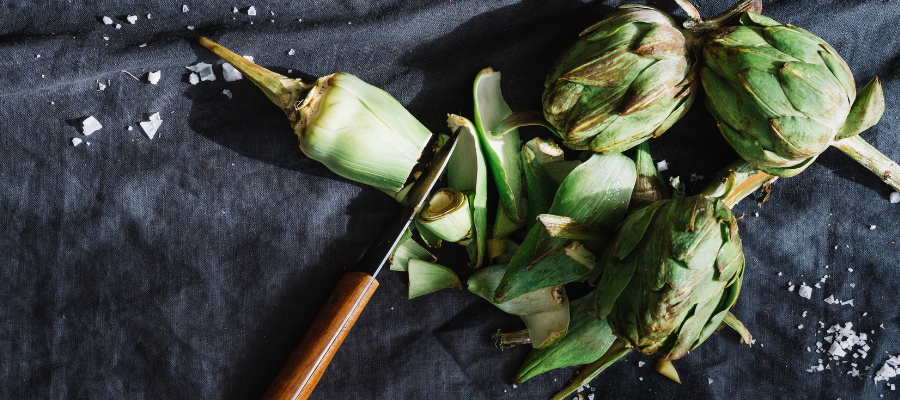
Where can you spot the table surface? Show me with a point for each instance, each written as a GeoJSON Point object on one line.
{"type": "Point", "coordinates": [188, 265]}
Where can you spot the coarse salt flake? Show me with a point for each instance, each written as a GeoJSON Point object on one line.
{"type": "Point", "coordinates": [131, 19]}
{"type": "Point", "coordinates": [76, 141]}
{"type": "Point", "coordinates": [662, 166]}
{"type": "Point", "coordinates": [895, 197]}
{"type": "Point", "coordinates": [234, 9]}
{"type": "Point", "coordinates": [805, 291]}
{"type": "Point", "coordinates": [291, 52]}
{"type": "Point", "coordinates": [154, 76]}
{"type": "Point", "coordinates": [641, 363]}
{"type": "Point", "coordinates": [90, 125]}
{"type": "Point", "coordinates": [107, 20]}
{"type": "Point", "coordinates": [251, 10]}
{"type": "Point", "coordinates": [194, 79]}
{"type": "Point", "coordinates": [227, 93]}
{"type": "Point", "coordinates": [184, 8]}
{"type": "Point", "coordinates": [150, 127]}
{"type": "Point", "coordinates": [190, 27]}
{"type": "Point", "coordinates": [872, 227]}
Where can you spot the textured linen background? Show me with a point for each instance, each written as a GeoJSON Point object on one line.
{"type": "Point", "coordinates": [188, 266]}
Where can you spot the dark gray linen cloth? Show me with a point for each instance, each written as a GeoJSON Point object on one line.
{"type": "Point", "coordinates": [187, 266]}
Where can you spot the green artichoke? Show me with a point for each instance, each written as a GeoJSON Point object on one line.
{"type": "Point", "coordinates": [357, 130]}
{"type": "Point", "coordinates": [781, 95]}
{"type": "Point", "coordinates": [673, 271]}
{"type": "Point", "coordinates": [629, 77]}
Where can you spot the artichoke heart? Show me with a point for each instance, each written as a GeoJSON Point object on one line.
{"type": "Point", "coordinates": [448, 216]}
{"type": "Point", "coordinates": [357, 130]}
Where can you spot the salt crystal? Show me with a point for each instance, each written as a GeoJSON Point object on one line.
{"type": "Point", "coordinates": [804, 314]}
{"type": "Point", "coordinates": [37, 56]}
{"type": "Point", "coordinates": [850, 269]}
{"type": "Point", "coordinates": [106, 38]}
{"type": "Point", "coordinates": [756, 214]}
{"type": "Point", "coordinates": [273, 12]}
{"type": "Point", "coordinates": [107, 20]}
{"type": "Point", "coordinates": [190, 27]}
{"type": "Point", "coordinates": [805, 291]}
{"type": "Point", "coordinates": [591, 396]}
{"type": "Point", "coordinates": [143, 45]}
{"type": "Point", "coordinates": [132, 19]}
{"type": "Point", "coordinates": [251, 10]}
{"type": "Point", "coordinates": [184, 8]}
{"type": "Point", "coordinates": [150, 127]}
{"type": "Point", "coordinates": [853, 285]}
{"type": "Point", "coordinates": [90, 125]}
{"type": "Point", "coordinates": [790, 288]}
{"type": "Point", "coordinates": [818, 286]}
{"type": "Point", "coordinates": [641, 364]}
{"type": "Point", "coordinates": [204, 70]}
{"type": "Point", "coordinates": [895, 197]}
{"type": "Point", "coordinates": [779, 274]}
{"type": "Point", "coordinates": [148, 16]}
{"type": "Point", "coordinates": [153, 77]}
{"type": "Point", "coordinates": [515, 386]}
{"type": "Point", "coordinates": [234, 9]}
{"type": "Point", "coordinates": [291, 52]}
{"type": "Point", "coordinates": [710, 380]}
{"type": "Point", "coordinates": [194, 79]}
{"type": "Point", "coordinates": [118, 26]}
{"type": "Point", "coordinates": [76, 141]}
{"type": "Point", "coordinates": [100, 86]}
{"type": "Point", "coordinates": [227, 93]}
{"type": "Point", "coordinates": [850, 302]}
{"type": "Point", "coordinates": [641, 378]}
{"type": "Point", "coordinates": [130, 128]}
{"type": "Point", "coordinates": [800, 326]}
{"type": "Point", "coordinates": [662, 166]}
{"type": "Point", "coordinates": [808, 350]}
{"type": "Point", "coordinates": [830, 300]}
{"type": "Point", "coordinates": [872, 227]}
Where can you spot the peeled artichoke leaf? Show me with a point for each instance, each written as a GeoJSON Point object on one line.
{"type": "Point", "coordinates": [502, 153]}
{"type": "Point", "coordinates": [541, 188]}
{"type": "Point", "coordinates": [407, 250]}
{"type": "Point", "coordinates": [597, 192]}
{"type": "Point", "coordinates": [549, 327]}
{"type": "Point", "coordinates": [551, 268]}
{"type": "Point", "coordinates": [485, 281]}
{"type": "Point", "coordinates": [558, 171]}
{"type": "Point", "coordinates": [426, 277]}
{"type": "Point", "coordinates": [467, 172]}
{"type": "Point", "coordinates": [427, 236]}
{"type": "Point", "coordinates": [586, 340]}
{"type": "Point", "coordinates": [504, 225]}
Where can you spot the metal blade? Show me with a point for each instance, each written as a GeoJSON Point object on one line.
{"type": "Point", "coordinates": [381, 249]}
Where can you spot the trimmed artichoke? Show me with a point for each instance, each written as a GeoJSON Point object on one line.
{"type": "Point", "coordinates": [357, 130]}
{"type": "Point", "coordinates": [782, 95]}
{"type": "Point", "coordinates": [673, 271]}
{"type": "Point", "coordinates": [630, 77]}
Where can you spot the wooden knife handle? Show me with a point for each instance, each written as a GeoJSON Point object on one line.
{"type": "Point", "coordinates": [307, 363]}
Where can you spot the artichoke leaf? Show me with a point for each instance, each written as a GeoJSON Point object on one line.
{"type": "Point", "coordinates": [661, 42]}
{"type": "Point", "coordinates": [485, 281]}
{"type": "Point", "coordinates": [813, 90]}
{"type": "Point", "coordinates": [426, 277]}
{"type": "Point", "coordinates": [653, 83]}
{"type": "Point", "coordinates": [794, 43]}
{"type": "Point", "coordinates": [759, 20]}
{"type": "Point", "coordinates": [866, 111]}
{"type": "Point", "coordinates": [586, 340]}
{"type": "Point", "coordinates": [467, 172]}
{"type": "Point", "coordinates": [841, 71]}
{"type": "Point", "coordinates": [541, 188]}
{"type": "Point", "coordinates": [615, 352]}
{"type": "Point", "coordinates": [406, 251]}
{"type": "Point", "coordinates": [739, 327]}
{"type": "Point", "coordinates": [558, 226]}
{"type": "Point", "coordinates": [549, 327]}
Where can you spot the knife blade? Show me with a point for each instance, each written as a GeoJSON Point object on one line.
{"type": "Point", "coordinates": [307, 363]}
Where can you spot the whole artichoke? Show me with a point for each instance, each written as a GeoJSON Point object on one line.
{"type": "Point", "coordinates": [782, 95]}
{"type": "Point", "coordinates": [629, 77]}
{"type": "Point", "coordinates": [672, 273]}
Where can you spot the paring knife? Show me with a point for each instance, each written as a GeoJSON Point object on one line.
{"type": "Point", "coordinates": [307, 363]}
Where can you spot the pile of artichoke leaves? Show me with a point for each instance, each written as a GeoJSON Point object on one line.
{"type": "Point", "coordinates": [587, 205]}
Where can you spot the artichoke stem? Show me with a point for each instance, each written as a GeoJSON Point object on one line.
{"type": "Point", "coordinates": [698, 25]}
{"type": "Point", "coordinates": [509, 340]}
{"type": "Point", "coordinates": [867, 155]}
{"type": "Point", "coordinates": [280, 89]}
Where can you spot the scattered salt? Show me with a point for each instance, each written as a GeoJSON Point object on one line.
{"type": "Point", "coordinates": [515, 386]}
{"type": "Point", "coordinates": [662, 166]}
{"type": "Point", "coordinates": [641, 364]}
{"type": "Point", "coordinates": [37, 56]}
{"type": "Point", "coordinates": [872, 227]}
{"type": "Point", "coordinates": [641, 378]}
{"type": "Point", "coordinates": [76, 141]}
{"type": "Point", "coordinates": [831, 300]}
{"type": "Point", "coordinates": [779, 274]}
{"type": "Point", "coordinates": [853, 285]}
{"type": "Point", "coordinates": [800, 326]}
{"type": "Point", "coordinates": [204, 70]}
{"type": "Point", "coordinates": [227, 93]}
{"type": "Point", "coordinates": [106, 38]}
{"type": "Point", "coordinates": [818, 286]}
{"type": "Point", "coordinates": [150, 127]}
{"type": "Point", "coordinates": [888, 370]}
{"type": "Point", "coordinates": [90, 125]}
{"type": "Point", "coordinates": [100, 86]}
{"type": "Point", "coordinates": [804, 314]}
{"type": "Point", "coordinates": [805, 291]}
{"type": "Point", "coordinates": [710, 380]}
{"type": "Point", "coordinates": [148, 16]}
{"type": "Point", "coordinates": [118, 26]}
{"type": "Point", "coordinates": [143, 45]}
{"type": "Point", "coordinates": [850, 302]}
{"type": "Point", "coordinates": [194, 79]}
{"type": "Point", "coordinates": [291, 52]}
{"type": "Point", "coordinates": [234, 9]}
{"type": "Point", "coordinates": [790, 287]}
{"type": "Point", "coordinates": [132, 19]}
{"type": "Point", "coordinates": [184, 8]}
{"type": "Point", "coordinates": [107, 20]}
{"type": "Point", "coordinates": [895, 197]}
{"type": "Point", "coordinates": [849, 269]}
{"type": "Point", "coordinates": [190, 27]}
{"type": "Point", "coordinates": [251, 10]}
{"type": "Point", "coordinates": [130, 128]}
{"type": "Point", "coordinates": [153, 77]}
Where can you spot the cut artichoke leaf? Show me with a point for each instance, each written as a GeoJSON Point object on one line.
{"type": "Point", "coordinates": [737, 181]}
{"type": "Point", "coordinates": [580, 254]}
{"type": "Point", "coordinates": [409, 249]}
{"type": "Point", "coordinates": [739, 327]}
{"type": "Point", "coordinates": [448, 216]}
{"type": "Point", "coordinates": [558, 226]}
{"type": "Point", "coordinates": [467, 173]}
{"type": "Point", "coordinates": [430, 239]}
{"type": "Point", "coordinates": [426, 277]}
{"type": "Point", "coordinates": [511, 249]}
{"type": "Point", "coordinates": [502, 152]}
{"type": "Point", "coordinates": [355, 129]}
{"type": "Point", "coordinates": [615, 352]}
{"type": "Point", "coordinates": [497, 248]}
{"type": "Point", "coordinates": [545, 151]}
{"type": "Point", "coordinates": [549, 327]}
{"type": "Point", "coordinates": [666, 368]}
{"type": "Point", "coordinates": [519, 119]}
{"type": "Point", "coordinates": [484, 282]}
{"type": "Point", "coordinates": [541, 188]}
{"type": "Point", "coordinates": [559, 171]}
{"type": "Point", "coordinates": [587, 340]}
{"type": "Point", "coordinates": [596, 193]}
{"type": "Point", "coordinates": [504, 225]}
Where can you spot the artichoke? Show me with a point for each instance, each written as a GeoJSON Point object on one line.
{"type": "Point", "coordinates": [781, 95]}
{"type": "Point", "coordinates": [629, 77]}
{"type": "Point", "coordinates": [357, 130]}
{"type": "Point", "coordinates": [671, 274]}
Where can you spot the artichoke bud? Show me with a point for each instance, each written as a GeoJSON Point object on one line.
{"type": "Point", "coordinates": [671, 274]}
{"type": "Point", "coordinates": [448, 216]}
{"type": "Point", "coordinates": [357, 130]}
{"type": "Point", "coordinates": [782, 95]}
{"type": "Point", "coordinates": [627, 79]}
